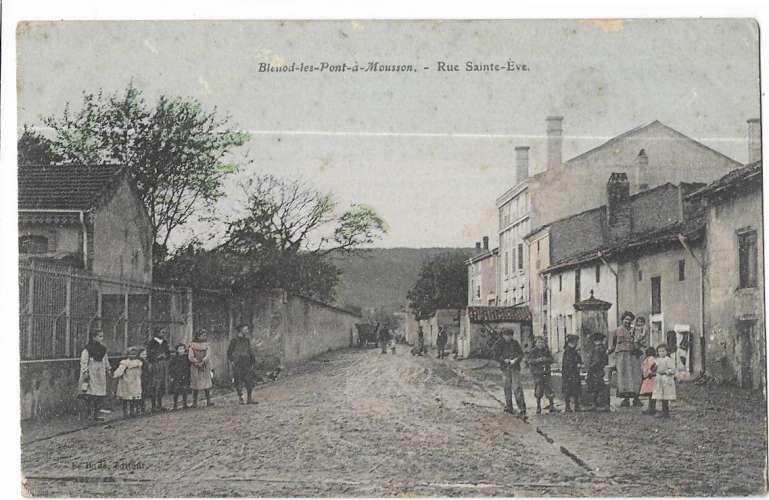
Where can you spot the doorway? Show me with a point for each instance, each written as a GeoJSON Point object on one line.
{"type": "Point", "coordinates": [745, 336]}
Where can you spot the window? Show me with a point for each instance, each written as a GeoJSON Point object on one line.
{"type": "Point", "coordinates": [748, 259]}
{"type": "Point", "coordinates": [507, 271]}
{"type": "Point", "coordinates": [656, 295]}
{"type": "Point", "coordinates": [681, 270]}
{"type": "Point", "coordinates": [33, 243]}
{"type": "Point", "coordinates": [598, 273]}
{"type": "Point", "coordinates": [560, 282]}
{"type": "Point", "coordinates": [512, 259]}
{"type": "Point", "coordinates": [640, 275]}
{"type": "Point", "coordinates": [577, 278]}
{"type": "Point", "coordinates": [520, 256]}
{"type": "Point", "coordinates": [478, 292]}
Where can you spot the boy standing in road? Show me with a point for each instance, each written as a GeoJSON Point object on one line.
{"type": "Point", "coordinates": [509, 355]}
{"type": "Point", "coordinates": [539, 361]}
{"type": "Point", "coordinates": [242, 357]}
{"type": "Point", "coordinates": [442, 340]}
{"type": "Point", "coordinates": [596, 387]}
{"type": "Point", "coordinates": [570, 373]}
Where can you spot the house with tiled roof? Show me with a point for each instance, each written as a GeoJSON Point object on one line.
{"type": "Point", "coordinates": [638, 252]}
{"type": "Point", "coordinates": [545, 188]}
{"type": "Point", "coordinates": [732, 311]}
{"type": "Point", "coordinates": [86, 216]}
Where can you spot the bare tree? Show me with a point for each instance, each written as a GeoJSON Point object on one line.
{"type": "Point", "coordinates": [290, 216]}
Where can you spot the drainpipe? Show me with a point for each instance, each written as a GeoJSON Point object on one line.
{"type": "Point", "coordinates": [616, 287]}
{"type": "Point", "coordinates": [701, 266]}
{"type": "Point", "coordinates": [81, 213]}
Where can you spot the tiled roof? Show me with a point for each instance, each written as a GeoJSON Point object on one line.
{"type": "Point", "coordinates": [68, 187]}
{"type": "Point", "coordinates": [499, 314]}
{"type": "Point", "coordinates": [692, 229]}
{"type": "Point", "coordinates": [738, 177]}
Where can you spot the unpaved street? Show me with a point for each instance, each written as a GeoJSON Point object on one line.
{"type": "Point", "coordinates": [357, 423]}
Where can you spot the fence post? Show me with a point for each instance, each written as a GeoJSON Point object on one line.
{"type": "Point", "coordinates": [67, 311]}
{"type": "Point", "coordinates": [149, 311]}
{"type": "Point", "coordinates": [189, 325]}
{"type": "Point", "coordinates": [125, 316]}
{"type": "Point", "coordinates": [31, 308]}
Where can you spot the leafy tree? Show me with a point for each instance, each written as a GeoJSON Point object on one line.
{"type": "Point", "coordinates": [442, 283]}
{"type": "Point", "coordinates": [35, 149]}
{"type": "Point", "coordinates": [176, 151]}
{"type": "Point", "coordinates": [280, 238]}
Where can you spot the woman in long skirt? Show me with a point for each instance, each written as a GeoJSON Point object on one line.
{"type": "Point", "coordinates": [627, 359]}
{"type": "Point", "coordinates": [200, 368]}
{"type": "Point", "coordinates": [94, 370]}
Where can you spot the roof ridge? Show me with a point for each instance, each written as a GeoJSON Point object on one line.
{"type": "Point", "coordinates": [641, 127]}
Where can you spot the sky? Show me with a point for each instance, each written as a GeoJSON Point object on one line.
{"type": "Point", "coordinates": [429, 150]}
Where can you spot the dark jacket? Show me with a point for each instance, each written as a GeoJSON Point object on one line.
{"type": "Point", "coordinates": [571, 362]}
{"type": "Point", "coordinates": [443, 337]}
{"type": "Point", "coordinates": [598, 361]}
{"type": "Point", "coordinates": [240, 347]}
{"type": "Point", "coordinates": [179, 370]}
{"type": "Point", "coordinates": [157, 351]}
{"type": "Point", "coordinates": [539, 360]}
{"type": "Point", "coordinates": [511, 350]}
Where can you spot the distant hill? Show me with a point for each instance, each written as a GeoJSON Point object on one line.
{"type": "Point", "coordinates": [381, 277]}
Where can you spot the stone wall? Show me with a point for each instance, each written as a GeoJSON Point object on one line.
{"type": "Point", "coordinates": [287, 330]}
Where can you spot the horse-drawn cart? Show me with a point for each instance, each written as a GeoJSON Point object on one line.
{"type": "Point", "coordinates": [367, 334]}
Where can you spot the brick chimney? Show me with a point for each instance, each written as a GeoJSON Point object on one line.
{"type": "Point", "coordinates": [554, 141]}
{"type": "Point", "coordinates": [485, 242]}
{"type": "Point", "coordinates": [477, 245]}
{"type": "Point", "coordinates": [754, 140]}
{"type": "Point", "coordinates": [617, 208]}
{"type": "Point", "coordinates": [521, 163]}
{"type": "Point", "coordinates": [642, 170]}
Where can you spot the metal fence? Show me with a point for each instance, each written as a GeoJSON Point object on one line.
{"type": "Point", "coordinates": [60, 306]}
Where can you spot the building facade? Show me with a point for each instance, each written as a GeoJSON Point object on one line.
{"type": "Point", "coordinates": [482, 278]}
{"type": "Point", "coordinates": [626, 254]}
{"type": "Point", "coordinates": [734, 279]}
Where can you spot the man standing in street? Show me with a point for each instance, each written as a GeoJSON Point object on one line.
{"type": "Point", "coordinates": [419, 349]}
{"type": "Point", "coordinates": [242, 357]}
{"type": "Point", "coordinates": [509, 355]}
{"type": "Point", "coordinates": [442, 340]}
{"type": "Point", "coordinates": [383, 337]}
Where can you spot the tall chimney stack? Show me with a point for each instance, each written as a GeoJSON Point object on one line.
{"type": "Point", "coordinates": [521, 163]}
{"type": "Point", "coordinates": [617, 192]}
{"type": "Point", "coordinates": [642, 170]}
{"type": "Point", "coordinates": [754, 140]}
{"type": "Point", "coordinates": [554, 141]}
{"type": "Point", "coordinates": [485, 242]}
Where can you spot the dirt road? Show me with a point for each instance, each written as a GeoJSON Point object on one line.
{"type": "Point", "coordinates": [358, 423]}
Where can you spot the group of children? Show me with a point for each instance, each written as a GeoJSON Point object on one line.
{"type": "Point", "coordinates": [658, 376]}
{"type": "Point", "coordinates": [134, 386]}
